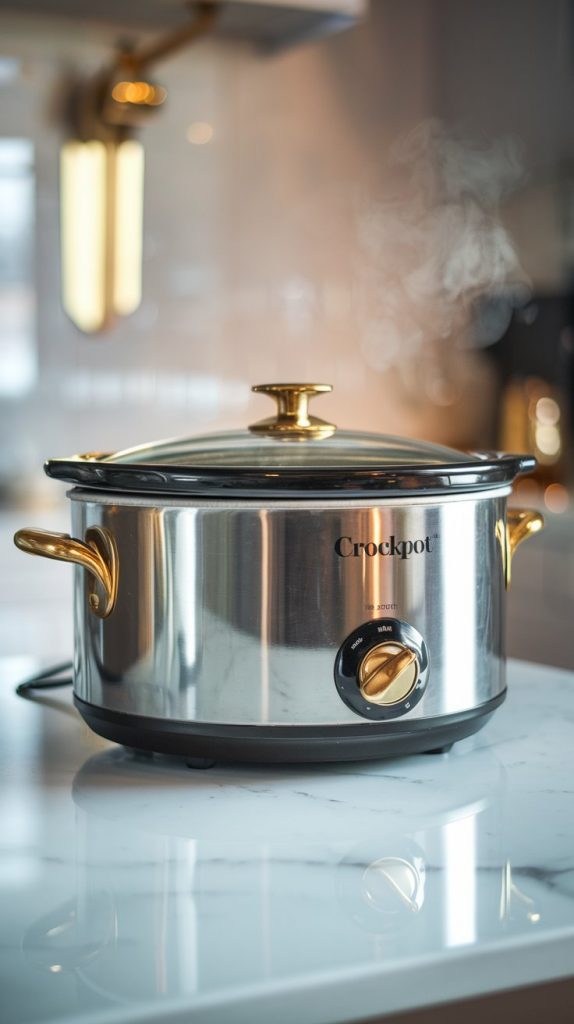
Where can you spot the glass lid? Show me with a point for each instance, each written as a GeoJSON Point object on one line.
{"type": "Point", "coordinates": [240, 448]}
{"type": "Point", "coordinates": [292, 452]}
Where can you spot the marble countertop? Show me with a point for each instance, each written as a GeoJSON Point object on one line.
{"type": "Point", "coordinates": [136, 889]}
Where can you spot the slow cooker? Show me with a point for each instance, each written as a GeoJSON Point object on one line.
{"type": "Point", "coordinates": [289, 592]}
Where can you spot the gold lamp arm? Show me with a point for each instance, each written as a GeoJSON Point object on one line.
{"type": "Point", "coordinates": [98, 555]}
{"type": "Point", "coordinates": [205, 16]}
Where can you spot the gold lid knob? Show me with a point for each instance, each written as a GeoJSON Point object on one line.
{"type": "Point", "coordinates": [388, 673]}
{"type": "Point", "coordinates": [292, 421]}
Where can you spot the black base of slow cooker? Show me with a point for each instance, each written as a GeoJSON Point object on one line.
{"type": "Point", "coordinates": [197, 741]}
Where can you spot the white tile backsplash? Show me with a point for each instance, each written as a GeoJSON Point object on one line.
{"type": "Point", "coordinates": [254, 267]}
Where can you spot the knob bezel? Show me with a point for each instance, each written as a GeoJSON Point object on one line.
{"type": "Point", "coordinates": [356, 647]}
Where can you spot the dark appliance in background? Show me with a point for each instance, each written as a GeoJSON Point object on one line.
{"type": "Point", "coordinates": [535, 363]}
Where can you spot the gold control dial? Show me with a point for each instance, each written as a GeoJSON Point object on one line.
{"type": "Point", "coordinates": [388, 673]}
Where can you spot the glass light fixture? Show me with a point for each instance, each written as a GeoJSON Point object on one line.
{"type": "Point", "coordinates": [101, 230]}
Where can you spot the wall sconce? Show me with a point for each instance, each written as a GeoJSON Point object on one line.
{"type": "Point", "coordinates": [102, 182]}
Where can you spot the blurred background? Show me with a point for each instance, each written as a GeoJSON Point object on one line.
{"type": "Point", "coordinates": [378, 195]}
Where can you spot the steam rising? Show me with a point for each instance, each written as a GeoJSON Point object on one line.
{"type": "Point", "coordinates": [437, 243]}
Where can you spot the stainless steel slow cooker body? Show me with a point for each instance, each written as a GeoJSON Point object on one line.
{"type": "Point", "coordinates": [276, 626]}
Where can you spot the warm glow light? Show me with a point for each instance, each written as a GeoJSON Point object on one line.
{"type": "Point", "coordinates": [547, 441]}
{"type": "Point", "coordinates": [199, 132]}
{"type": "Point", "coordinates": [56, 968]}
{"type": "Point", "coordinates": [83, 170]}
{"type": "Point", "coordinates": [101, 213]}
{"type": "Point", "coordinates": [556, 498]}
{"type": "Point", "coordinates": [547, 411]}
{"type": "Point", "coordinates": [128, 227]}
{"type": "Point", "coordinates": [139, 93]}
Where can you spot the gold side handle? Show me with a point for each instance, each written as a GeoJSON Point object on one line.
{"type": "Point", "coordinates": [98, 555]}
{"type": "Point", "coordinates": [292, 421]}
{"type": "Point", "coordinates": [520, 524]}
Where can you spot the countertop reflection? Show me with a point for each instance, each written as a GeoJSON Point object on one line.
{"type": "Point", "coordinates": [135, 888]}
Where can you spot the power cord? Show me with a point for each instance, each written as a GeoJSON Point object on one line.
{"type": "Point", "coordinates": [45, 680]}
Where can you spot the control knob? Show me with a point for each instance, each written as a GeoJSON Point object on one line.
{"type": "Point", "coordinates": [382, 669]}
{"type": "Point", "coordinates": [388, 673]}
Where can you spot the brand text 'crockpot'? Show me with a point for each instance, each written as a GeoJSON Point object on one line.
{"type": "Point", "coordinates": [346, 547]}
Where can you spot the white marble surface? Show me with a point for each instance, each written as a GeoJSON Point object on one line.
{"type": "Point", "coordinates": [139, 890]}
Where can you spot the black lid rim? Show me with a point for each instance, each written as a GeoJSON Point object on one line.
{"type": "Point", "coordinates": [243, 482]}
